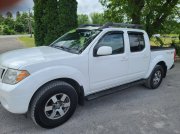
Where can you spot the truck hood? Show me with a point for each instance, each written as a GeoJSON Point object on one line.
{"type": "Point", "coordinates": [18, 58]}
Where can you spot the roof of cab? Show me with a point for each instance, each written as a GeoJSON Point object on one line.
{"type": "Point", "coordinates": [113, 26]}
{"type": "Point", "coordinates": [111, 29]}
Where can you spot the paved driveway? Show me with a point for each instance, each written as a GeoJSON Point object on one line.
{"type": "Point", "coordinates": [136, 110]}
{"type": "Point", "coordinates": [9, 43]}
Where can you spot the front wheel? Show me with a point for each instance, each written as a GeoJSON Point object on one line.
{"type": "Point", "coordinates": [155, 78]}
{"type": "Point", "coordinates": [53, 104]}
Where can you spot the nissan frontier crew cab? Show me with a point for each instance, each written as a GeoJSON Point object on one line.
{"type": "Point", "coordinates": [48, 82]}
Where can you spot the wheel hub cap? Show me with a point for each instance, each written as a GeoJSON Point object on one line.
{"type": "Point", "coordinates": [57, 106]}
{"type": "Point", "coordinates": [157, 77]}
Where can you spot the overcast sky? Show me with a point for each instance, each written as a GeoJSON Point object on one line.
{"type": "Point", "coordinates": [84, 6]}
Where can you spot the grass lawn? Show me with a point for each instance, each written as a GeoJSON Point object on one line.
{"type": "Point", "coordinates": [27, 41]}
{"type": "Point", "coordinates": [166, 39]}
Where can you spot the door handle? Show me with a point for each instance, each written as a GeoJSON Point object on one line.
{"type": "Point", "coordinates": [124, 58]}
{"type": "Point", "coordinates": [145, 56]}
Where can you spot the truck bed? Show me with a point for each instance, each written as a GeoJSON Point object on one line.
{"type": "Point", "coordinates": [159, 48]}
{"type": "Point", "coordinates": [165, 53]}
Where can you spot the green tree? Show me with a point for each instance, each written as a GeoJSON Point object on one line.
{"type": "Point", "coordinates": [9, 14]}
{"type": "Point", "coordinates": [151, 13]}
{"type": "Point", "coordinates": [18, 14]}
{"type": "Point", "coordinates": [98, 18]}
{"type": "Point", "coordinates": [40, 25]}
{"type": "Point", "coordinates": [171, 27]}
{"type": "Point", "coordinates": [1, 29]}
{"type": "Point", "coordinates": [51, 19]}
{"type": "Point", "coordinates": [7, 30]}
{"type": "Point", "coordinates": [1, 19]}
{"type": "Point", "coordinates": [22, 22]}
{"type": "Point", "coordinates": [83, 19]}
{"type": "Point", "coordinates": [19, 27]}
{"type": "Point", "coordinates": [172, 24]}
{"type": "Point", "coordinates": [67, 15]}
{"type": "Point", "coordinates": [9, 22]}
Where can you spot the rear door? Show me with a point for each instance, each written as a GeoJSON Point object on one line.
{"type": "Point", "coordinates": [139, 55]}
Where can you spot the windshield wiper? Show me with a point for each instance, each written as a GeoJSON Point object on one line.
{"type": "Point", "coordinates": [61, 47]}
{"type": "Point", "coordinates": [64, 48]}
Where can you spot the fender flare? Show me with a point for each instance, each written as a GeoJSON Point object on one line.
{"type": "Point", "coordinates": [153, 64]}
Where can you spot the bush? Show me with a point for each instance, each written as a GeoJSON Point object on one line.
{"type": "Point", "coordinates": [8, 31]}
{"type": "Point", "coordinates": [19, 27]}
{"type": "Point", "coordinates": [1, 29]}
{"type": "Point", "coordinates": [9, 22]}
{"type": "Point", "coordinates": [177, 47]}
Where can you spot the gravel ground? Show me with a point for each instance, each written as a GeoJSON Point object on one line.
{"type": "Point", "coordinates": [136, 110]}
{"type": "Point", "coordinates": [9, 43]}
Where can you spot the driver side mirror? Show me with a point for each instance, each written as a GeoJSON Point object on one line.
{"type": "Point", "coordinates": [104, 50]}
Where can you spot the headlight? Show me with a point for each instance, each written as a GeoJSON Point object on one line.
{"type": "Point", "coordinates": [14, 76]}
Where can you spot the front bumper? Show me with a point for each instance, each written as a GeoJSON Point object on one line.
{"type": "Point", "coordinates": [13, 99]}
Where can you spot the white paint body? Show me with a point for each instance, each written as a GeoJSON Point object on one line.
{"type": "Point", "coordinates": [93, 73]}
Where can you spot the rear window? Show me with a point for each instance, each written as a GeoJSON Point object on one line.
{"type": "Point", "coordinates": [136, 41]}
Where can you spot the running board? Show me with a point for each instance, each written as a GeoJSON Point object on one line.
{"type": "Point", "coordinates": [112, 90]}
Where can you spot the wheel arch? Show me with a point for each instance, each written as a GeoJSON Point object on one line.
{"type": "Point", "coordinates": [79, 89]}
{"type": "Point", "coordinates": [157, 61]}
{"type": "Point", "coordinates": [164, 66]}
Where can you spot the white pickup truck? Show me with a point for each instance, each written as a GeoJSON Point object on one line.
{"type": "Point", "coordinates": [50, 81]}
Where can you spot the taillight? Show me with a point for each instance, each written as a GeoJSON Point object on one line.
{"type": "Point", "coordinates": [175, 55]}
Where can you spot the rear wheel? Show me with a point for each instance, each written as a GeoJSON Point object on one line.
{"type": "Point", "coordinates": [155, 78]}
{"type": "Point", "coordinates": [53, 104]}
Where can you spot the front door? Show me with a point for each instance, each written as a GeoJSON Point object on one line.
{"type": "Point", "coordinates": [111, 70]}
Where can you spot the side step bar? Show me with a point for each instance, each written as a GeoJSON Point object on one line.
{"type": "Point", "coordinates": [112, 90]}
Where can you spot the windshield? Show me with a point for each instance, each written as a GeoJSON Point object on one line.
{"type": "Point", "coordinates": [75, 41]}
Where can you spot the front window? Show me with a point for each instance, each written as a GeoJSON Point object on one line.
{"type": "Point", "coordinates": [113, 39]}
{"type": "Point", "coordinates": [75, 41]}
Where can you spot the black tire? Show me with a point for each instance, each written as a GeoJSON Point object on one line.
{"type": "Point", "coordinates": [149, 83]}
{"type": "Point", "coordinates": [43, 97]}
